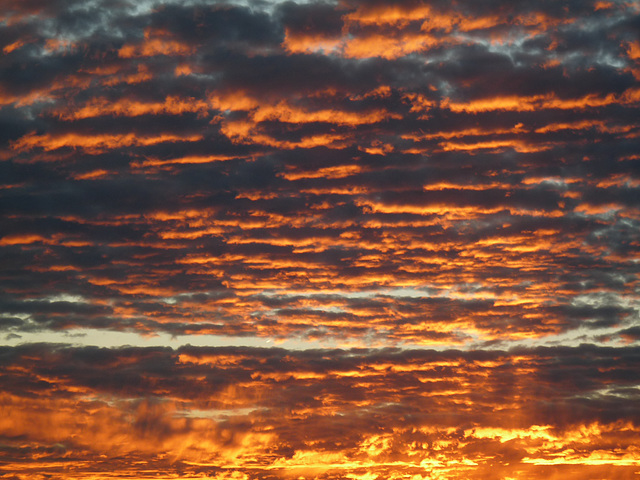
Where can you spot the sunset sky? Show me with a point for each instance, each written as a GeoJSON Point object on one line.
{"type": "Point", "coordinates": [351, 239]}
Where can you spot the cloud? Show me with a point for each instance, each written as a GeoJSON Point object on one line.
{"type": "Point", "coordinates": [211, 406]}
{"type": "Point", "coordinates": [346, 174]}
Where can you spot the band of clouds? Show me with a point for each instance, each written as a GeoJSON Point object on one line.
{"type": "Point", "coordinates": [442, 174]}
{"type": "Point", "coordinates": [228, 150]}
{"type": "Point", "coordinates": [264, 412]}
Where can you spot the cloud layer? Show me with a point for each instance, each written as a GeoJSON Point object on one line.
{"type": "Point", "coordinates": [271, 413]}
{"type": "Point", "coordinates": [353, 174]}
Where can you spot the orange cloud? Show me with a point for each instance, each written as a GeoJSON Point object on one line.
{"type": "Point", "coordinates": [430, 417]}
{"type": "Point", "coordinates": [517, 145]}
{"type": "Point", "coordinates": [7, 49]}
{"type": "Point", "coordinates": [389, 47]}
{"type": "Point", "coordinates": [541, 102]}
{"type": "Point", "coordinates": [156, 42]}
{"type": "Point", "coordinates": [95, 143]}
{"type": "Point", "coordinates": [132, 108]}
{"type": "Point", "coordinates": [305, 43]}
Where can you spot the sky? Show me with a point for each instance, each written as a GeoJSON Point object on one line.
{"type": "Point", "coordinates": [351, 239]}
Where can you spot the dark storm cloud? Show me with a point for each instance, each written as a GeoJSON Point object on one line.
{"type": "Point", "coordinates": [217, 24]}
{"type": "Point", "coordinates": [319, 18]}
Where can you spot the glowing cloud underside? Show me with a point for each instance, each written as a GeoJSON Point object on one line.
{"type": "Point", "coordinates": [431, 209]}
